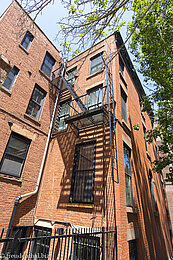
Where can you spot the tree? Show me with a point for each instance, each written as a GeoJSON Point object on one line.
{"type": "Point", "coordinates": [151, 34]}
{"type": "Point", "coordinates": [152, 46]}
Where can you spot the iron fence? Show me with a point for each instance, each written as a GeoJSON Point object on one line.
{"type": "Point", "coordinates": [63, 244]}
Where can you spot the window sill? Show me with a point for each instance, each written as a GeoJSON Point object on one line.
{"type": "Point", "coordinates": [125, 126]}
{"type": "Point", "coordinates": [6, 90]}
{"type": "Point", "coordinates": [43, 74]}
{"type": "Point", "coordinates": [131, 209]}
{"type": "Point", "coordinates": [123, 79]}
{"type": "Point", "coordinates": [94, 74]}
{"type": "Point", "coordinates": [80, 205]}
{"type": "Point", "coordinates": [23, 49]}
{"type": "Point", "coordinates": [37, 122]}
{"type": "Point", "coordinates": [10, 177]}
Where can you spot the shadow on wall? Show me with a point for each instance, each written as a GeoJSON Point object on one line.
{"type": "Point", "coordinates": [25, 207]}
{"type": "Point", "coordinates": [151, 242]}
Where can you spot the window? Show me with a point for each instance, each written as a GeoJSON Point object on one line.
{"type": "Point", "coordinates": [36, 102]}
{"type": "Point", "coordinates": [63, 113]}
{"type": "Point", "coordinates": [94, 97]}
{"type": "Point", "coordinates": [14, 246]}
{"type": "Point", "coordinates": [128, 177]}
{"type": "Point", "coordinates": [40, 247]}
{"type": "Point", "coordinates": [86, 247]}
{"type": "Point", "coordinates": [48, 64]}
{"type": "Point", "coordinates": [96, 63]}
{"type": "Point", "coordinates": [146, 145]}
{"type": "Point", "coordinates": [132, 250]}
{"type": "Point", "coordinates": [121, 66]}
{"type": "Point", "coordinates": [71, 74]}
{"type": "Point", "coordinates": [28, 38]}
{"type": "Point", "coordinates": [124, 105]}
{"type": "Point", "coordinates": [82, 185]}
{"type": "Point", "coordinates": [152, 190]}
{"type": "Point", "coordinates": [15, 154]}
{"type": "Point", "coordinates": [8, 83]}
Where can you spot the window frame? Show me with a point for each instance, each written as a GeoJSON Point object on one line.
{"type": "Point", "coordinates": [73, 78]}
{"type": "Point", "coordinates": [121, 66]}
{"type": "Point", "coordinates": [45, 65]}
{"type": "Point", "coordinates": [150, 178]}
{"type": "Point", "coordinates": [59, 116]}
{"type": "Point", "coordinates": [128, 174]}
{"type": "Point", "coordinates": [98, 88]}
{"type": "Point", "coordinates": [100, 54]}
{"type": "Point", "coordinates": [35, 102]}
{"type": "Point", "coordinates": [76, 179]}
{"type": "Point", "coordinates": [146, 144]}
{"type": "Point", "coordinates": [27, 141]}
{"type": "Point", "coordinates": [124, 110]}
{"type": "Point", "coordinates": [30, 37]}
{"type": "Point", "coordinates": [132, 249]}
{"type": "Point", "coordinates": [12, 81]}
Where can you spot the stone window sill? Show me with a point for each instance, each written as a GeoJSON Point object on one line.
{"type": "Point", "coordinates": [131, 210]}
{"type": "Point", "coordinates": [37, 122]}
{"type": "Point", "coordinates": [10, 177]}
{"type": "Point", "coordinates": [80, 205]}
{"type": "Point", "coordinates": [94, 74]}
{"type": "Point", "coordinates": [23, 49]}
{"type": "Point", "coordinates": [125, 125]}
{"type": "Point", "coordinates": [7, 91]}
{"type": "Point", "coordinates": [43, 74]}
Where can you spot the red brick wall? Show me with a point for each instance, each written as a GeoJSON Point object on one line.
{"type": "Point", "coordinates": [13, 107]}
{"type": "Point", "coordinates": [152, 232]}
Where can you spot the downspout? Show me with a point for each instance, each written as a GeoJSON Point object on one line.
{"type": "Point", "coordinates": [41, 167]}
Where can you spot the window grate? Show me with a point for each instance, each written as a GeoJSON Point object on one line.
{"type": "Point", "coordinates": [82, 186]}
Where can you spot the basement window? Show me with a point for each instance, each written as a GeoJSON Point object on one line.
{"type": "Point", "coordinates": [26, 42]}
{"type": "Point", "coordinates": [86, 246]}
{"type": "Point", "coordinates": [8, 83]}
{"type": "Point", "coordinates": [15, 154]}
{"type": "Point", "coordinates": [96, 63]}
{"type": "Point", "coordinates": [82, 184]}
{"type": "Point", "coordinates": [48, 64]}
{"type": "Point", "coordinates": [40, 247]}
{"type": "Point", "coordinates": [36, 102]}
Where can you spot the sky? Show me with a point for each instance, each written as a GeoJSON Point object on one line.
{"type": "Point", "coordinates": [47, 21]}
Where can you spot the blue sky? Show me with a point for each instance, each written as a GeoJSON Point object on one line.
{"type": "Point", "coordinates": [47, 21]}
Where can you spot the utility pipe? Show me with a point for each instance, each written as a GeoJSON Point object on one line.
{"type": "Point", "coordinates": [41, 167]}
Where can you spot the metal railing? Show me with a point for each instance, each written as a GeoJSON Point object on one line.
{"type": "Point", "coordinates": [68, 243]}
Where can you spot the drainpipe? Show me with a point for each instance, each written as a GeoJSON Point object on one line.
{"type": "Point", "coordinates": [41, 167]}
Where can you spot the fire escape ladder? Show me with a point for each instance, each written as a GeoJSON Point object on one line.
{"type": "Point", "coordinates": [74, 95]}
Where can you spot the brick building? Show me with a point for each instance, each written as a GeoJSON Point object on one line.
{"type": "Point", "coordinates": [26, 104]}
{"type": "Point", "coordinates": [97, 172]}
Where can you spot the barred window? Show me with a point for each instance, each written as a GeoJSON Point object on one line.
{"type": "Point", "coordinates": [82, 185]}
